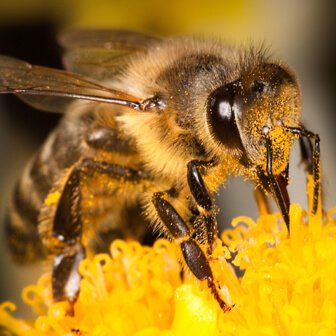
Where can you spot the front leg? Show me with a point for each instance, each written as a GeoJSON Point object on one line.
{"type": "Point", "coordinates": [310, 153]}
{"type": "Point", "coordinates": [183, 235]}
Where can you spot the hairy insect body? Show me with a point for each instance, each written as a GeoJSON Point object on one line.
{"type": "Point", "coordinates": [166, 125]}
{"type": "Point", "coordinates": [78, 137]}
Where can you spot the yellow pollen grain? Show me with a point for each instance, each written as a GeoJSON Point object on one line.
{"type": "Point", "coordinates": [52, 198]}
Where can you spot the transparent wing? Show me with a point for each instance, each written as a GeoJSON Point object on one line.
{"type": "Point", "coordinates": [101, 54]}
{"type": "Point", "coordinates": [52, 90]}
{"type": "Point", "coordinates": [106, 38]}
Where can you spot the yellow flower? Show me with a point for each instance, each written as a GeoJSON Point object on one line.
{"type": "Point", "coordinates": [288, 286]}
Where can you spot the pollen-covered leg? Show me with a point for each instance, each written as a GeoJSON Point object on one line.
{"type": "Point", "coordinates": [204, 201]}
{"type": "Point", "coordinates": [195, 258]}
{"type": "Point", "coordinates": [306, 148]}
{"type": "Point", "coordinates": [65, 277]}
{"type": "Point", "coordinates": [311, 157]}
{"type": "Point", "coordinates": [67, 230]}
{"type": "Point", "coordinates": [68, 226]}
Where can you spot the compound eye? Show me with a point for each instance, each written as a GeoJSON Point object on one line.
{"type": "Point", "coordinates": [222, 108]}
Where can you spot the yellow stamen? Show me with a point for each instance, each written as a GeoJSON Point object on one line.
{"type": "Point", "coordinates": [287, 286]}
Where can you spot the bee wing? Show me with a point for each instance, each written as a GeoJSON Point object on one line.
{"type": "Point", "coordinates": [106, 38]}
{"type": "Point", "coordinates": [52, 90]}
{"type": "Point", "coordinates": [101, 54]}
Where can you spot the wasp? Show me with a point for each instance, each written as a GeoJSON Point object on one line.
{"type": "Point", "coordinates": [151, 128]}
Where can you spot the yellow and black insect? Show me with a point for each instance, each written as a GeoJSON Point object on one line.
{"type": "Point", "coordinates": [152, 127]}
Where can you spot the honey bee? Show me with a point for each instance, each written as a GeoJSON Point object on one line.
{"type": "Point", "coordinates": [152, 128]}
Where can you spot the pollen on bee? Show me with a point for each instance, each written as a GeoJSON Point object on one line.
{"type": "Point", "coordinates": [52, 198]}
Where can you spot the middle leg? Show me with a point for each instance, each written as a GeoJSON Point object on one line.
{"type": "Point", "coordinates": [184, 235]}
{"type": "Point", "coordinates": [204, 201]}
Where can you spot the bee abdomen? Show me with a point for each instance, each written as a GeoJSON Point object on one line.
{"type": "Point", "coordinates": [24, 243]}
{"type": "Point", "coordinates": [21, 226]}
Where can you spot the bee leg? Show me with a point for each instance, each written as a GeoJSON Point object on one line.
{"type": "Point", "coordinates": [311, 157]}
{"type": "Point", "coordinates": [193, 255]}
{"type": "Point", "coordinates": [65, 276]}
{"type": "Point", "coordinates": [203, 199]}
{"type": "Point", "coordinates": [67, 229]}
{"type": "Point", "coordinates": [262, 201]}
{"type": "Point", "coordinates": [67, 226]}
{"type": "Point", "coordinates": [306, 148]}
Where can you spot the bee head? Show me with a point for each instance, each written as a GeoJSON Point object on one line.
{"type": "Point", "coordinates": [261, 103]}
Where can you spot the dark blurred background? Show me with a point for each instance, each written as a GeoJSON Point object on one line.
{"type": "Point", "coordinates": [301, 32]}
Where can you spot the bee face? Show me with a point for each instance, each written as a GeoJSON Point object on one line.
{"type": "Point", "coordinates": [260, 103]}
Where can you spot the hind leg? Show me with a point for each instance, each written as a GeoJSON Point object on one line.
{"type": "Point", "coordinates": [67, 227]}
